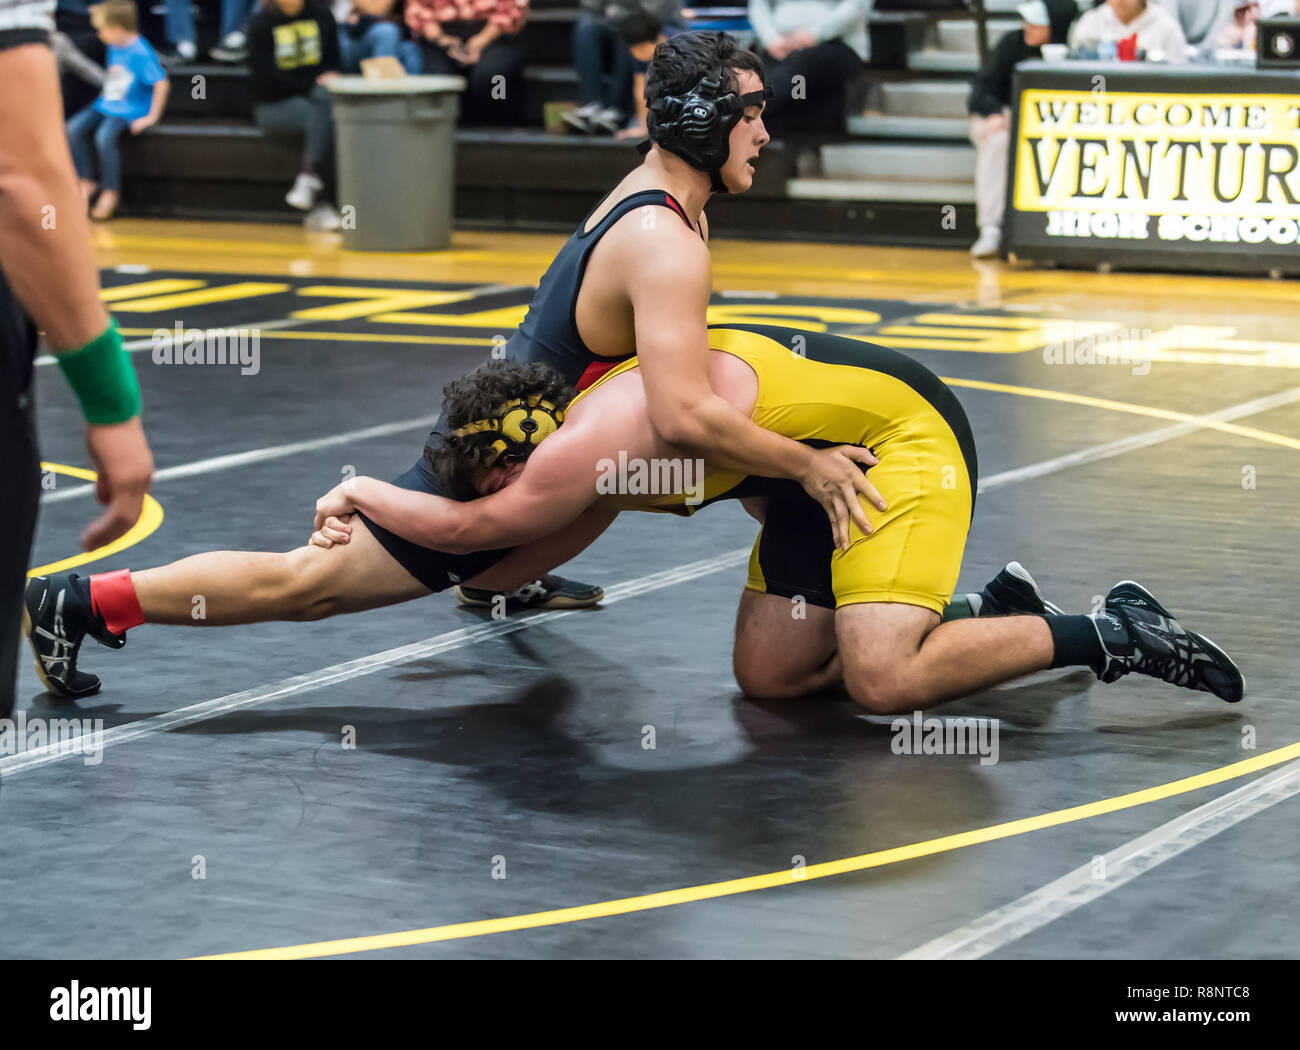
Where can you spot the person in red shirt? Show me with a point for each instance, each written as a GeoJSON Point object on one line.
{"type": "Point", "coordinates": [476, 39]}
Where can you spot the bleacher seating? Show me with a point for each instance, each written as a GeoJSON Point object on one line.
{"type": "Point", "coordinates": [206, 159]}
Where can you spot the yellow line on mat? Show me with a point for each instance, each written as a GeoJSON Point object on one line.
{"type": "Point", "coordinates": [151, 516]}
{"type": "Point", "coordinates": [709, 891]}
{"type": "Point", "coordinates": [1124, 406]}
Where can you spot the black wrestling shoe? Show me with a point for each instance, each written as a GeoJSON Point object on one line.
{"type": "Point", "coordinates": [1012, 592]}
{"type": "Point", "coordinates": [550, 592]}
{"type": "Point", "coordinates": [1138, 634]}
{"type": "Point", "coordinates": [57, 615]}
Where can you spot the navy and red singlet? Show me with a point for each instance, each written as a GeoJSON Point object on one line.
{"type": "Point", "coordinates": [549, 332]}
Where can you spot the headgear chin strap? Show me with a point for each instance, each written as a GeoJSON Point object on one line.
{"type": "Point", "coordinates": [523, 425]}
{"type": "Point", "coordinates": [697, 125]}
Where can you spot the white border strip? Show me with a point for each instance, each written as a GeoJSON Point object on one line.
{"type": "Point", "coordinates": [1122, 865]}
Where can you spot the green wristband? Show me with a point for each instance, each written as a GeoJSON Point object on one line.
{"type": "Point", "coordinates": [103, 379]}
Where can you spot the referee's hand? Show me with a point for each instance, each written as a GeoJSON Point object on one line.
{"type": "Point", "coordinates": [124, 465]}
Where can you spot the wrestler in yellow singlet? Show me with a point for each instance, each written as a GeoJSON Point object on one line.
{"type": "Point", "coordinates": [825, 390]}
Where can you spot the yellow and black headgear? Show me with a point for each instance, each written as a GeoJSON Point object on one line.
{"type": "Point", "coordinates": [523, 424]}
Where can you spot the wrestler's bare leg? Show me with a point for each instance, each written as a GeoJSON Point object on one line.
{"type": "Point", "coordinates": [890, 657]}
{"type": "Point", "coordinates": [308, 583]}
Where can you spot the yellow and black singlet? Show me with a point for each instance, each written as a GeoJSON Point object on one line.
{"type": "Point", "coordinates": [827, 390]}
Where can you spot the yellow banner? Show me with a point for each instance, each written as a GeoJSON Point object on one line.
{"type": "Point", "coordinates": [1200, 162]}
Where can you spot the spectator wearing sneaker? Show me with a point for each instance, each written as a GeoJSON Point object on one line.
{"type": "Point", "coordinates": [134, 94]}
{"type": "Point", "coordinates": [233, 46]}
{"type": "Point", "coordinates": [989, 104]}
{"type": "Point", "coordinates": [293, 51]}
{"type": "Point", "coordinates": [375, 29]}
{"type": "Point", "coordinates": [476, 39]}
{"type": "Point", "coordinates": [1131, 26]}
{"type": "Point", "coordinates": [180, 31]}
{"type": "Point", "coordinates": [604, 62]}
{"type": "Point", "coordinates": [823, 43]}
{"type": "Point", "coordinates": [641, 32]}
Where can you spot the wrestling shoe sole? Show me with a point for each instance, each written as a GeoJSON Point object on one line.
{"type": "Point", "coordinates": [50, 687]}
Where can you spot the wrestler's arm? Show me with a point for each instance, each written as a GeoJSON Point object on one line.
{"type": "Point", "coordinates": [556, 486]}
{"type": "Point", "coordinates": [670, 300]}
{"type": "Point", "coordinates": [670, 279]}
{"type": "Point", "coordinates": [541, 556]}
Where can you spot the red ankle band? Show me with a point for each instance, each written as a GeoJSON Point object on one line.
{"type": "Point", "coordinates": [112, 596]}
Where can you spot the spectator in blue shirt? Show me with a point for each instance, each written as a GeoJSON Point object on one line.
{"type": "Point", "coordinates": [134, 94]}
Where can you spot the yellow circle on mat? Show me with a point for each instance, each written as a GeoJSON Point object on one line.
{"type": "Point", "coordinates": [151, 516]}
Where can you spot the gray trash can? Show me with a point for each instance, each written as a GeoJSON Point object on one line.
{"type": "Point", "coordinates": [396, 160]}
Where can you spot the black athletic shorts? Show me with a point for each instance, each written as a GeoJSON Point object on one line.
{"type": "Point", "coordinates": [435, 569]}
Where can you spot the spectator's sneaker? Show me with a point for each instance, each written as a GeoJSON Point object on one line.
{"type": "Point", "coordinates": [1138, 634]}
{"type": "Point", "coordinates": [303, 194]}
{"type": "Point", "coordinates": [323, 219]}
{"type": "Point", "coordinates": [580, 119]}
{"type": "Point", "coordinates": [233, 48]}
{"type": "Point", "coordinates": [606, 122]}
{"type": "Point", "coordinates": [180, 53]}
{"type": "Point", "coordinates": [987, 244]}
{"type": "Point", "coordinates": [1012, 592]}
{"type": "Point", "coordinates": [550, 592]}
{"type": "Point", "coordinates": [57, 615]}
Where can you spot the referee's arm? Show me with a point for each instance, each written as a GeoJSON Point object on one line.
{"type": "Point", "coordinates": [46, 257]}
{"type": "Point", "coordinates": [45, 249]}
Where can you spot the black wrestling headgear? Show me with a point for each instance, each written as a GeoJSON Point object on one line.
{"type": "Point", "coordinates": [697, 125]}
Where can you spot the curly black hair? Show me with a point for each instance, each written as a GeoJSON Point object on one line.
{"type": "Point", "coordinates": [681, 61]}
{"type": "Point", "coordinates": [457, 461]}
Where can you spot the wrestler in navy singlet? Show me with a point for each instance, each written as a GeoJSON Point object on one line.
{"type": "Point", "coordinates": [549, 332]}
